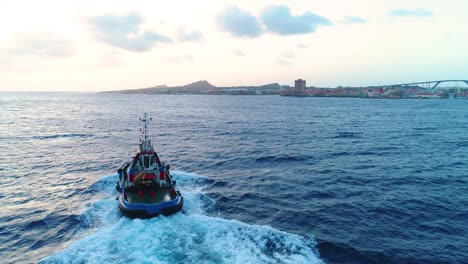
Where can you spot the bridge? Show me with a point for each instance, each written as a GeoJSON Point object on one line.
{"type": "Point", "coordinates": [429, 84]}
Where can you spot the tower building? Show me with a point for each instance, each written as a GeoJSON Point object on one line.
{"type": "Point", "coordinates": [300, 87]}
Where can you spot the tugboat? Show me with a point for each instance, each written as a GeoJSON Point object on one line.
{"type": "Point", "coordinates": [145, 186]}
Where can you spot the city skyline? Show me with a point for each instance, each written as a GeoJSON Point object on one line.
{"type": "Point", "coordinates": [110, 45]}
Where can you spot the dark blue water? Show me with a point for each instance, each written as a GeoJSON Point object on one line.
{"type": "Point", "coordinates": [266, 179]}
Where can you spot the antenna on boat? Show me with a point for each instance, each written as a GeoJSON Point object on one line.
{"type": "Point", "coordinates": [145, 141]}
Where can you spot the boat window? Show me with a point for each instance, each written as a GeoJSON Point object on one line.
{"type": "Point", "coordinates": [151, 160]}
{"type": "Point", "coordinates": [146, 161]}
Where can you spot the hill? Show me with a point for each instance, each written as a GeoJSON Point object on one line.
{"type": "Point", "coordinates": [204, 87]}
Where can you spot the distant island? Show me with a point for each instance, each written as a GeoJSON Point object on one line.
{"type": "Point", "coordinates": [204, 87]}
{"type": "Point", "coordinates": [300, 89]}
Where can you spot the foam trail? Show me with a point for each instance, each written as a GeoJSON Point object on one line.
{"type": "Point", "coordinates": [191, 237]}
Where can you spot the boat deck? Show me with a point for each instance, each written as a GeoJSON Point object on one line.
{"type": "Point", "coordinates": [160, 195]}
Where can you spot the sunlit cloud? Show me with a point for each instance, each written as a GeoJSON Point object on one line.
{"type": "Point", "coordinates": [239, 22]}
{"type": "Point", "coordinates": [353, 20]}
{"type": "Point", "coordinates": [124, 32]}
{"type": "Point", "coordinates": [279, 20]}
{"type": "Point", "coordinates": [418, 12]}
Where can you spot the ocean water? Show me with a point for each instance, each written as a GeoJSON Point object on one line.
{"type": "Point", "coordinates": [266, 179]}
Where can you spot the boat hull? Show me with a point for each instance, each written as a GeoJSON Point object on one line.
{"type": "Point", "coordinates": [149, 211]}
{"type": "Point", "coordinates": [147, 200]}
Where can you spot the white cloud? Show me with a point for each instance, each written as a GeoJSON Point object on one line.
{"type": "Point", "coordinates": [41, 45]}
{"type": "Point", "coordinates": [284, 62]}
{"type": "Point", "coordinates": [184, 35]}
{"type": "Point", "coordinates": [124, 32]}
{"type": "Point", "coordinates": [353, 20]}
{"type": "Point", "coordinates": [279, 20]}
{"type": "Point", "coordinates": [418, 12]}
{"type": "Point", "coordinates": [239, 53]}
{"type": "Point", "coordinates": [239, 23]}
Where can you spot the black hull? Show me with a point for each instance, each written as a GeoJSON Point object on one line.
{"type": "Point", "coordinates": [143, 214]}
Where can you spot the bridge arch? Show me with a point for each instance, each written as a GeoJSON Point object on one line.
{"type": "Point", "coordinates": [431, 84]}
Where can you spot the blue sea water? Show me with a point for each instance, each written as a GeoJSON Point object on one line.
{"type": "Point", "coordinates": [266, 179]}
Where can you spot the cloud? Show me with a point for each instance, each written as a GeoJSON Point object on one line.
{"type": "Point", "coordinates": [184, 35]}
{"type": "Point", "coordinates": [177, 58]}
{"type": "Point", "coordinates": [239, 53]}
{"type": "Point", "coordinates": [279, 20]}
{"type": "Point", "coordinates": [353, 20]}
{"type": "Point", "coordinates": [418, 12]}
{"type": "Point", "coordinates": [239, 23]}
{"type": "Point", "coordinates": [123, 32]}
{"type": "Point", "coordinates": [288, 55]}
{"type": "Point", "coordinates": [42, 45]}
{"type": "Point", "coordinates": [283, 62]}
{"type": "Point", "coordinates": [173, 59]}
{"type": "Point", "coordinates": [286, 59]}
{"type": "Point", "coordinates": [4, 61]}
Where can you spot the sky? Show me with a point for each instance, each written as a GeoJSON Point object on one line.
{"type": "Point", "coordinates": [61, 45]}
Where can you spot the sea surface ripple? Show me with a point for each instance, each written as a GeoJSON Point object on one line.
{"type": "Point", "coordinates": [266, 179]}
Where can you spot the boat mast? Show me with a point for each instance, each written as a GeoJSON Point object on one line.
{"type": "Point", "coordinates": [145, 141]}
{"type": "Point", "coordinates": [144, 121]}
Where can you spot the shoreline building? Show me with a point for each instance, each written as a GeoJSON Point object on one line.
{"type": "Point", "coordinates": [299, 87]}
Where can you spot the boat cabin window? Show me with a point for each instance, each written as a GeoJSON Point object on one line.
{"type": "Point", "coordinates": [146, 161]}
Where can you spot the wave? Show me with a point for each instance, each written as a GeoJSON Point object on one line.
{"type": "Point", "coordinates": [188, 237]}
{"type": "Point", "coordinates": [339, 154]}
{"type": "Point", "coordinates": [463, 143]}
{"type": "Point", "coordinates": [61, 136]}
{"type": "Point", "coordinates": [282, 158]}
{"type": "Point", "coordinates": [348, 135]}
